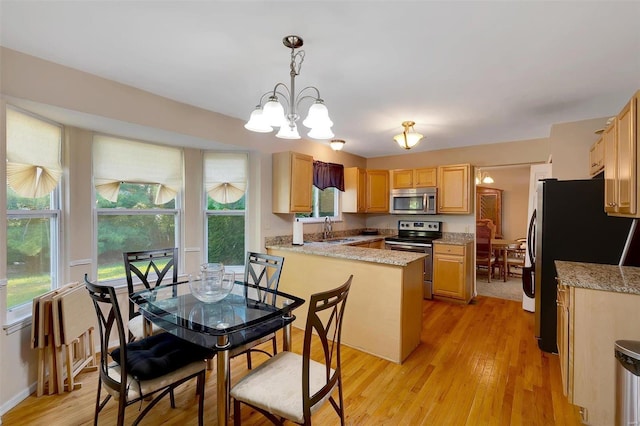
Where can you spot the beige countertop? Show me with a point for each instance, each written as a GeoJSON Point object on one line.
{"type": "Point", "coordinates": [455, 239]}
{"type": "Point", "coordinates": [613, 278]}
{"type": "Point", "coordinates": [341, 248]}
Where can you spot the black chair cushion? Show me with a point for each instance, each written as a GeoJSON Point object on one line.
{"type": "Point", "coordinates": [160, 354]}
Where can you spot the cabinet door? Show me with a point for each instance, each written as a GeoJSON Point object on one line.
{"type": "Point", "coordinates": [426, 177]}
{"type": "Point", "coordinates": [610, 168]}
{"type": "Point", "coordinates": [362, 191]}
{"type": "Point", "coordinates": [301, 176]}
{"type": "Point", "coordinates": [454, 189]}
{"type": "Point", "coordinates": [562, 336]}
{"type": "Point", "coordinates": [626, 159]}
{"type": "Point", "coordinates": [402, 179]}
{"type": "Point", "coordinates": [377, 191]}
{"type": "Point", "coordinates": [448, 276]}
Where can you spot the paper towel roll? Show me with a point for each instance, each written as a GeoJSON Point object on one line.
{"type": "Point", "coordinates": [298, 234]}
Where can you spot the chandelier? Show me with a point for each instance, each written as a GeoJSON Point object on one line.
{"type": "Point", "coordinates": [271, 113]}
{"type": "Point", "coordinates": [409, 138]}
{"type": "Point", "coordinates": [483, 177]}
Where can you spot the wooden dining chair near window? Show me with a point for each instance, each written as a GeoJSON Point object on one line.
{"type": "Point", "coordinates": [150, 268]}
{"type": "Point", "coordinates": [485, 255]}
{"type": "Point", "coordinates": [292, 386]}
{"type": "Point", "coordinates": [147, 369]}
{"type": "Point", "coordinates": [263, 271]}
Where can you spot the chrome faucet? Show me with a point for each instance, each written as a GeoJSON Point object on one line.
{"type": "Point", "coordinates": [327, 229]}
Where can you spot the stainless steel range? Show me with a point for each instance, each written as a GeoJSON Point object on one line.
{"type": "Point", "coordinates": [417, 237]}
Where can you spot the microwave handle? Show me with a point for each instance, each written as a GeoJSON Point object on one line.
{"type": "Point", "coordinates": [425, 200]}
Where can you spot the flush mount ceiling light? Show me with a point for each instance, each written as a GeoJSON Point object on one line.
{"type": "Point", "coordinates": [271, 113]}
{"type": "Point", "coordinates": [409, 138]}
{"type": "Point", "coordinates": [337, 144]}
{"type": "Point", "coordinates": [483, 178]}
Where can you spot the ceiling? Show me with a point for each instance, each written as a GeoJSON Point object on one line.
{"type": "Point", "coordinates": [466, 72]}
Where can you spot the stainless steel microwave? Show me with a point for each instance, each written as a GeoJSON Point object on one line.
{"type": "Point", "coordinates": [413, 201]}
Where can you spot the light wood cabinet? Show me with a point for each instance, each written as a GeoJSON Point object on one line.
{"type": "Point", "coordinates": [596, 157]}
{"type": "Point", "coordinates": [621, 162]}
{"type": "Point", "coordinates": [489, 206]}
{"type": "Point", "coordinates": [414, 178]}
{"type": "Point", "coordinates": [365, 191]}
{"type": "Point", "coordinates": [452, 271]}
{"type": "Point", "coordinates": [589, 323]}
{"type": "Point", "coordinates": [292, 176]}
{"type": "Point", "coordinates": [454, 189]}
{"type": "Point", "coordinates": [377, 198]}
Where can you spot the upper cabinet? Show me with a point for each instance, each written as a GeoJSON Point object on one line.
{"type": "Point", "coordinates": [292, 180]}
{"type": "Point", "coordinates": [454, 189]}
{"type": "Point", "coordinates": [596, 157]}
{"type": "Point", "coordinates": [621, 161]}
{"type": "Point", "coordinates": [414, 178]}
{"type": "Point", "coordinates": [489, 206]}
{"type": "Point", "coordinates": [365, 191]}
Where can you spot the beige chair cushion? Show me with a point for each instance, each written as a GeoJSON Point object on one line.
{"type": "Point", "coordinates": [144, 387]}
{"type": "Point", "coordinates": [276, 386]}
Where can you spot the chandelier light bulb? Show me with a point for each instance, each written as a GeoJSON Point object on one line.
{"type": "Point", "coordinates": [288, 132]}
{"type": "Point", "coordinates": [320, 133]}
{"type": "Point", "coordinates": [274, 112]}
{"type": "Point", "coordinates": [257, 122]}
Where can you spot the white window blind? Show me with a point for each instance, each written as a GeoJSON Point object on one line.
{"type": "Point", "coordinates": [118, 160]}
{"type": "Point", "coordinates": [33, 154]}
{"type": "Point", "coordinates": [225, 176]}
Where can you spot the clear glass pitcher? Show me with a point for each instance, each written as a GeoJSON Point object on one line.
{"type": "Point", "coordinates": [213, 284]}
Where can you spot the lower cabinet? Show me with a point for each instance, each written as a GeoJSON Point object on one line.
{"type": "Point", "coordinates": [589, 323]}
{"type": "Point", "coordinates": [452, 271]}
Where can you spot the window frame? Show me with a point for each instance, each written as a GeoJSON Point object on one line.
{"type": "Point", "coordinates": [24, 311]}
{"type": "Point", "coordinates": [238, 269]}
{"type": "Point", "coordinates": [337, 203]}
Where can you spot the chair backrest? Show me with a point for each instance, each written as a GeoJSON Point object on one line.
{"type": "Point", "coordinates": [264, 271]}
{"type": "Point", "coordinates": [109, 319]}
{"type": "Point", "coordinates": [141, 264]}
{"type": "Point", "coordinates": [485, 232]}
{"type": "Point", "coordinates": [324, 327]}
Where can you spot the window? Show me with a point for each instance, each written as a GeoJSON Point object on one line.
{"type": "Point", "coordinates": [225, 185]}
{"type": "Point", "coordinates": [33, 179]}
{"type": "Point", "coordinates": [324, 203]}
{"type": "Point", "coordinates": [137, 200]}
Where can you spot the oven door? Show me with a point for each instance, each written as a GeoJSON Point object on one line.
{"type": "Point", "coordinates": [428, 261]}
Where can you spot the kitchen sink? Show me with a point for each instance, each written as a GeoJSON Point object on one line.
{"type": "Point", "coordinates": [338, 240]}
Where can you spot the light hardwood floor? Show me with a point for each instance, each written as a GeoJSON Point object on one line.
{"type": "Point", "coordinates": [478, 364]}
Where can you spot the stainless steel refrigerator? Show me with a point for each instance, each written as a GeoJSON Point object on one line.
{"type": "Point", "coordinates": [570, 225]}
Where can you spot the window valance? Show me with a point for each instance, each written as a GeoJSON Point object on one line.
{"type": "Point", "coordinates": [328, 175]}
{"type": "Point", "coordinates": [33, 154]}
{"type": "Point", "coordinates": [118, 160]}
{"type": "Point", "coordinates": [225, 176]}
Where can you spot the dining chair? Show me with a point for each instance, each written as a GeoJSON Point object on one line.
{"type": "Point", "coordinates": [151, 268]}
{"type": "Point", "coordinates": [516, 255]}
{"type": "Point", "coordinates": [292, 386]}
{"type": "Point", "coordinates": [263, 271]}
{"type": "Point", "coordinates": [485, 255]}
{"type": "Point", "coordinates": [146, 369]}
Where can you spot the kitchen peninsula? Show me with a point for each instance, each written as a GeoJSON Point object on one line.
{"type": "Point", "coordinates": [383, 315]}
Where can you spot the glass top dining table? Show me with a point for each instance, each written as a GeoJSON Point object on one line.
{"type": "Point", "coordinates": [239, 318]}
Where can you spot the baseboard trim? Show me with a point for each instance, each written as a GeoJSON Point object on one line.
{"type": "Point", "coordinates": [16, 399]}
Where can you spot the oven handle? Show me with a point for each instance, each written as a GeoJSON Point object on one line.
{"type": "Point", "coordinates": [411, 246]}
